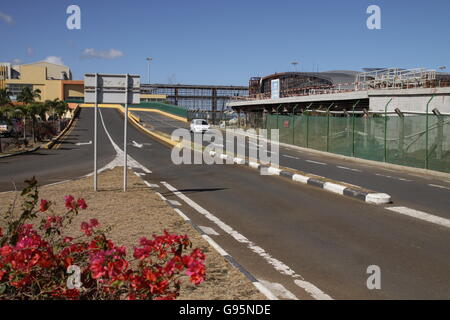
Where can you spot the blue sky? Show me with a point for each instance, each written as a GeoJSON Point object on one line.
{"type": "Point", "coordinates": [225, 42]}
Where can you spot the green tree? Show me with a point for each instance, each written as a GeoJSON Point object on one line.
{"type": "Point", "coordinates": [27, 95]}
{"type": "Point", "coordinates": [5, 102]}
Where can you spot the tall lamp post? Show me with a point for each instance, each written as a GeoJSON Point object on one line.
{"type": "Point", "coordinates": [149, 59]}
{"type": "Point", "coordinates": [294, 64]}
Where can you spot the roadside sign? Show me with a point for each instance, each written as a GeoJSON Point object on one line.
{"type": "Point", "coordinates": [112, 88]}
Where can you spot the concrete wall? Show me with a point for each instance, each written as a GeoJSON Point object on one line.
{"type": "Point", "coordinates": [411, 99]}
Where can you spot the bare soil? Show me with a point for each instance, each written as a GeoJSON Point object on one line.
{"type": "Point", "coordinates": [137, 213]}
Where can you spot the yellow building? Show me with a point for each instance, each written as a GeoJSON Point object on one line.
{"type": "Point", "coordinates": [45, 76]}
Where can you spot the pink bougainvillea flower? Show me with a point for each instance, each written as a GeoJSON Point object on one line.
{"type": "Point", "coordinates": [69, 202]}
{"type": "Point", "coordinates": [43, 206]}
{"type": "Point", "coordinates": [81, 204]}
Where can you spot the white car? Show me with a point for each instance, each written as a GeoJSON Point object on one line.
{"type": "Point", "coordinates": [199, 126]}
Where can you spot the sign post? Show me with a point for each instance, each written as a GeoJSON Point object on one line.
{"type": "Point", "coordinates": [114, 89]}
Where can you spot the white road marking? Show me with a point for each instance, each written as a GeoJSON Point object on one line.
{"type": "Point", "coordinates": [174, 203]}
{"type": "Point", "coordinates": [403, 179]}
{"type": "Point", "coordinates": [269, 295]}
{"type": "Point", "coordinates": [83, 143]}
{"type": "Point", "coordinates": [215, 245]}
{"type": "Point", "coordinates": [209, 230]}
{"type": "Point", "coordinates": [315, 292]}
{"type": "Point", "coordinates": [277, 264]}
{"type": "Point", "coordinates": [151, 185]}
{"type": "Point", "coordinates": [421, 215]}
{"type": "Point", "coordinates": [137, 145]}
{"type": "Point", "coordinates": [382, 175]}
{"type": "Point", "coordinates": [316, 162]}
{"type": "Point", "coordinates": [182, 214]}
{"type": "Point", "coordinates": [118, 160]}
{"type": "Point", "coordinates": [139, 174]}
{"type": "Point", "coordinates": [438, 186]}
{"type": "Point", "coordinates": [161, 196]}
{"type": "Point", "coordinates": [279, 290]}
{"type": "Point", "coordinates": [291, 157]}
{"type": "Point", "coordinates": [351, 169]}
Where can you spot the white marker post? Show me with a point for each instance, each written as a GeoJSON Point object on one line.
{"type": "Point", "coordinates": [110, 88]}
{"type": "Point", "coordinates": [95, 131]}
{"type": "Point", "coordinates": [125, 126]}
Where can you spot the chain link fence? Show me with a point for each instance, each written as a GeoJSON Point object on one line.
{"type": "Point", "coordinates": [415, 140]}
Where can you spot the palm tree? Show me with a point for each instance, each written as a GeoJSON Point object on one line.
{"type": "Point", "coordinates": [57, 107]}
{"type": "Point", "coordinates": [5, 101]}
{"type": "Point", "coordinates": [37, 110]}
{"type": "Point", "coordinates": [28, 95]}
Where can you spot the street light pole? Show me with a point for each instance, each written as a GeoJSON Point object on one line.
{"type": "Point", "coordinates": [149, 59]}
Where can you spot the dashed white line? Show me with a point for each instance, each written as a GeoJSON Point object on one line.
{"type": "Point", "coordinates": [182, 214]}
{"type": "Point", "coordinates": [421, 215]}
{"type": "Point", "coordinates": [290, 157]}
{"type": "Point", "coordinates": [277, 264]}
{"type": "Point", "coordinates": [151, 185]}
{"type": "Point", "coordinates": [351, 169]}
{"type": "Point", "coordinates": [316, 162]}
{"type": "Point", "coordinates": [438, 186]}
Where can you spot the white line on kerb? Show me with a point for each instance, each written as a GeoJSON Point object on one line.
{"type": "Point", "coordinates": [277, 264]}
{"type": "Point", "coordinates": [421, 215]}
{"type": "Point", "coordinates": [316, 162]}
{"type": "Point", "coordinates": [438, 186]}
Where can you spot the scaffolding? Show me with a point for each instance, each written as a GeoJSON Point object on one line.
{"type": "Point", "coordinates": [395, 78]}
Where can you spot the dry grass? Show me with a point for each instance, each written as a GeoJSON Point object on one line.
{"type": "Point", "coordinates": [140, 212]}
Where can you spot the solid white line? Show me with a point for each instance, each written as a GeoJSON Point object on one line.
{"type": "Point", "coordinates": [277, 264]}
{"type": "Point", "coordinates": [215, 245]}
{"type": "Point", "coordinates": [438, 186]}
{"type": "Point", "coordinates": [181, 214]}
{"type": "Point", "coordinates": [421, 215]}
{"type": "Point", "coordinates": [269, 295]}
{"type": "Point", "coordinates": [291, 157]}
{"type": "Point", "coordinates": [279, 290]}
{"type": "Point", "coordinates": [161, 196]}
{"type": "Point", "coordinates": [315, 292]}
{"type": "Point", "coordinates": [316, 162]}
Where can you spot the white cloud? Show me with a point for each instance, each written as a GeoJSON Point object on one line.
{"type": "Point", "coordinates": [106, 54]}
{"type": "Point", "coordinates": [30, 51]}
{"type": "Point", "coordinates": [6, 18]}
{"type": "Point", "coordinates": [55, 60]}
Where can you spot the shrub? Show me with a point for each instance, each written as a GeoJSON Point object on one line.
{"type": "Point", "coordinates": [35, 261]}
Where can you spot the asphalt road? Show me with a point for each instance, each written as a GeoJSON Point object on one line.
{"type": "Point", "coordinates": [68, 161]}
{"type": "Point", "coordinates": [417, 191]}
{"type": "Point", "coordinates": [325, 239]}
{"type": "Point", "coordinates": [302, 242]}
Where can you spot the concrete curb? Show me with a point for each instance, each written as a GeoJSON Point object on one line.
{"type": "Point", "coordinates": [19, 153]}
{"type": "Point", "coordinates": [50, 144]}
{"type": "Point", "coordinates": [334, 187]}
{"type": "Point", "coordinates": [258, 285]}
{"type": "Point", "coordinates": [387, 165]}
